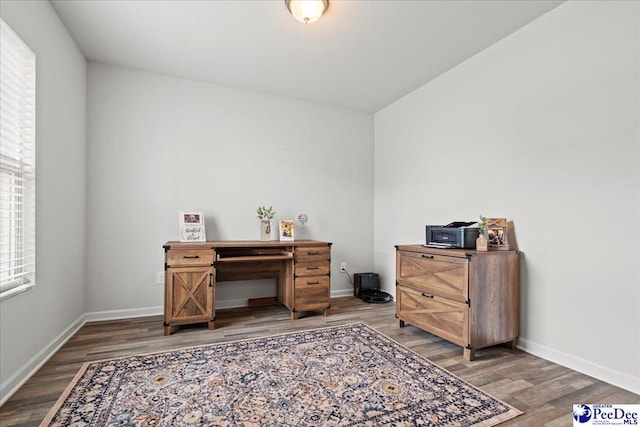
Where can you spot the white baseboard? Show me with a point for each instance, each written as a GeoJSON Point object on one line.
{"type": "Point", "coordinates": [97, 316]}
{"type": "Point", "coordinates": [235, 303]}
{"type": "Point", "coordinates": [13, 383]}
{"type": "Point", "coordinates": [339, 293]}
{"type": "Point", "coordinates": [608, 375]}
{"type": "Point", "coordinates": [231, 303]}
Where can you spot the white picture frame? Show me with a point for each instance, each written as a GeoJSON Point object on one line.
{"type": "Point", "coordinates": [285, 231]}
{"type": "Point", "coordinates": [191, 225]}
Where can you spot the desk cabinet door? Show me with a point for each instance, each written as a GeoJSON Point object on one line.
{"type": "Point", "coordinates": [189, 295]}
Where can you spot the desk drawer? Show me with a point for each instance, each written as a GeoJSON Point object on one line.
{"type": "Point", "coordinates": [311, 269]}
{"type": "Point", "coordinates": [312, 293]}
{"type": "Point", "coordinates": [441, 316]}
{"type": "Point", "coordinates": [439, 275]}
{"type": "Point", "coordinates": [312, 254]}
{"type": "Point", "coordinates": [186, 257]}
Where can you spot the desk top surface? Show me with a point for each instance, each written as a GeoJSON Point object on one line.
{"type": "Point", "coordinates": [454, 252]}
{"type": "Point", "coordinates": [213, 244]}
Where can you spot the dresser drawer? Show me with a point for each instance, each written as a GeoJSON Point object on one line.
{"type": "Point", "coordinates": [443, 317]}
{"type": "Point", "coordinates": [312, 269]}
{"type": "Point", "coordinates": [311, 293]}
{"type": "Point", "coordinates": [312, 254]}
{"type": "Point", "coordinates": [439, 275]}
{"type": "Point", "coordinates": [187, 257]}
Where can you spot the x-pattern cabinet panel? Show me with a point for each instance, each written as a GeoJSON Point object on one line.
{"type": "Point", "coordinates": [468, 297]}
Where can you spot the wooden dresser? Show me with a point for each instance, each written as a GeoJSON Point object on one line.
{"type": "Point", "coordinates": [467, 297]}
{"type": "Point", "coordinates": [192, 270]}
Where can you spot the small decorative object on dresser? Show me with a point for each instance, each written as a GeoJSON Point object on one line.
{"type": "Point", "coordinates": [265, 230]}
{"type": "Point", "coordinates": [303, 218]}
{"type": "Point", "coordinates": [265, 215]}
{"type": "Point", "coordinates": [481, 241]}
{"type": "Point", "coordinates": [286, 230]}
{"type": "Point", "coordinates": [191, 227]}
{"type": "Point", "coordinates": [468, 297]}
{"type": "Point", "coordinates": [497, 233]}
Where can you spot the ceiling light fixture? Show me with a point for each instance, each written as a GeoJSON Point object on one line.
{"type": "Point", "coordinates": [307, 11]}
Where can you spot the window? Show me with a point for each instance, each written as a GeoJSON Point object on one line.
{"type": "Point", "coordinates": [17, 163]}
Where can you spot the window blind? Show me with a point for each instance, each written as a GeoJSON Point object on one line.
{"type": "Point", "coordinates": [17, 163]}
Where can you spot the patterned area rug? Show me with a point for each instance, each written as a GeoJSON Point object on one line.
{"type": "Point", "coordinates": [338, 376]}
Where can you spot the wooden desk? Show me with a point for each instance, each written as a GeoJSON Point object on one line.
{"type": "Point", "coordinates": [192, 269]}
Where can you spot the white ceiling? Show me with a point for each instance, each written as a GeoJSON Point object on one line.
{"type": "Point", "coordinates": [362, 54]}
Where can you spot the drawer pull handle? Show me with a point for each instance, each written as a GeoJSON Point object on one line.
{"type": "Point", "coordinates": [190, 256]}
{"type": "Point", "coordinates": [427, 295]}
{"type": "Point", "coordinates": [427, 256]}
{"type": "Point", "coordinates": [313, 268]}
{"type": "Point", "coordinates": [313, 253]}
{"type": "Point", "coordinates": [313, 283]}
{"type": "Point", "coordinates": [211, 280]}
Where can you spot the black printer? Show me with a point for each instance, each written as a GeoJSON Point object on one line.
{"type": "Point", "coordinates": [455, 235]}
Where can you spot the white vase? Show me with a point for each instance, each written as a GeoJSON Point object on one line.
{"type": "Point", "coordinates": [265, 230]}
{"type": "Point", "coordinates": [481, 243]}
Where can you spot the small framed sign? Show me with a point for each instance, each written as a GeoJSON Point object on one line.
{"type": "Point", "coordinates": [286, 230]}
{"type": "Point", "coordinates": [191, 227]}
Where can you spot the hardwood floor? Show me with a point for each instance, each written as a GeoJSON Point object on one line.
{"type": "Point", "coordinates": [544, 391]}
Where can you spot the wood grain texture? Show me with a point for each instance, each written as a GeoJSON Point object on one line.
{"type": "Point", "coordinates": [193, 269]}
{"type": "Point", "coordinates": [188, 257]}
{"type": "Point", "coordinates": [189, 296]}
{"type": "Point", "coordinates": [312, 280]}
{"type": "Point", "coordinates": [232, 271]}
{"type": "Point", "coordinates": [319, 253]}
{"type": "Point", "coordinates": [441, 316]}
{"type": "Point", "coordinates": [494, 294]}
{"type": "Point", "coordinates": [434, 274]}
{"type": "Point", "coordinates": [312, 293]}
{"type": "Point", "coordinates": [480, 288]}
{"type": "Point", "coordinates": [543, 390]}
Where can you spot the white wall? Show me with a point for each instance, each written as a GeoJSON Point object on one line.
{"type": "Point", "coordinates": [541, 128]}
{"type": "Point", "coordinates": [158, 145]}
{"type": "Point", "coordinates": [32, 323]}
